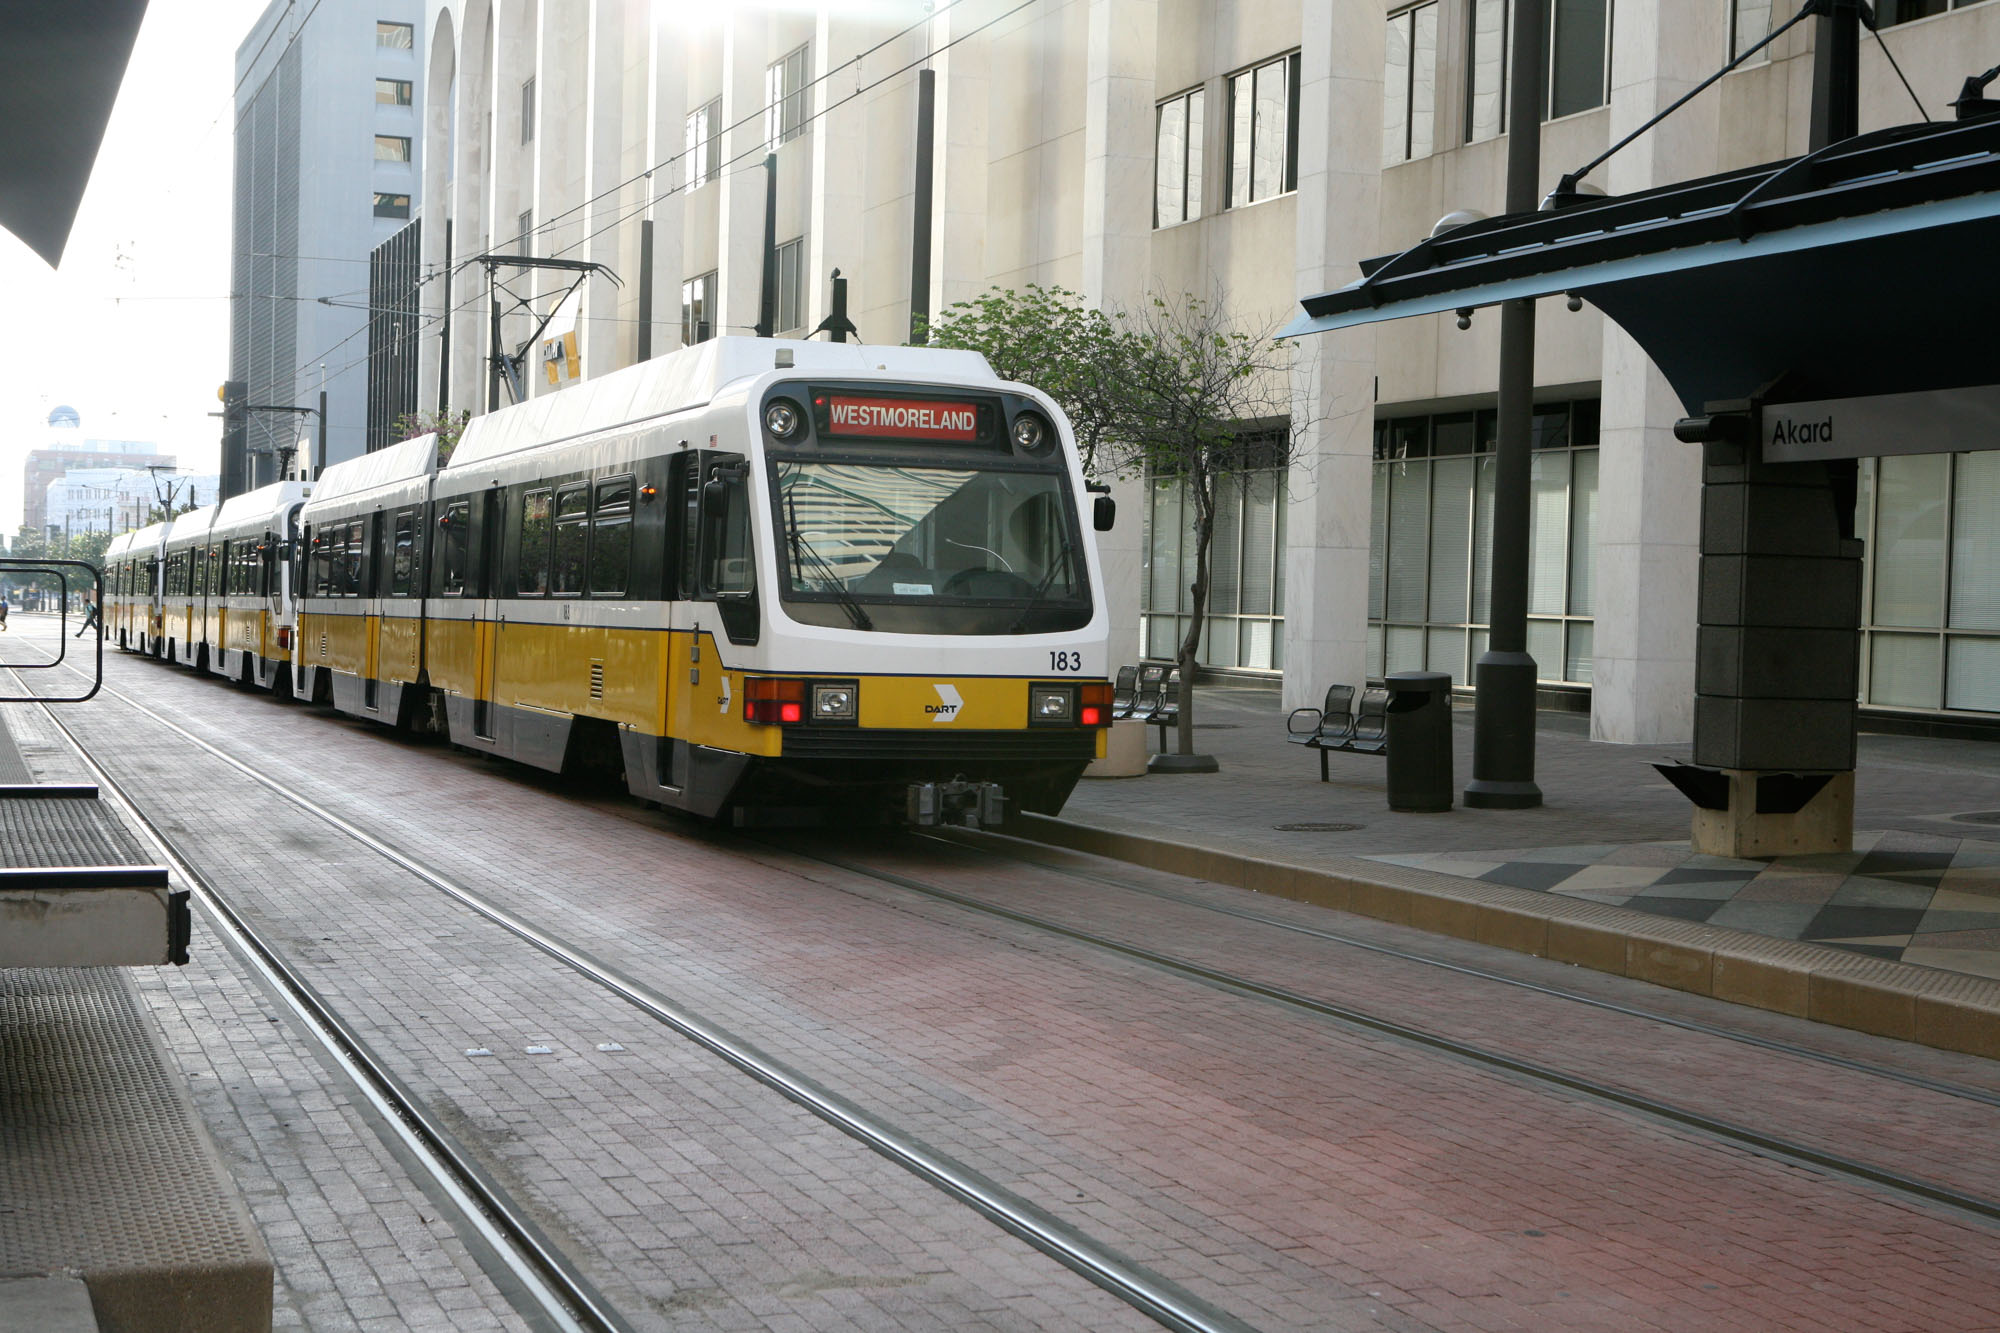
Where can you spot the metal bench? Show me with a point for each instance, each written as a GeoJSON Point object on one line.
{"type": "Point", "coordinates": [1328, 727]}
{"type": "Point", "coordinates": [1124, 693]}
{"type": "Point", "coordinates": [1338, 725]}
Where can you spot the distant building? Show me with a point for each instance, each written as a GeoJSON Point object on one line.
{"type": "Point", "coordinates": [68, 453]}
{"type": "Point", "coordinates": [328, 150]}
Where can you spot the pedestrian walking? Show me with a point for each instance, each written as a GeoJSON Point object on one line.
{"type": "Point", "coordinates": [89, 613]}
{"type": "Point", "coordinates": [3, 610]}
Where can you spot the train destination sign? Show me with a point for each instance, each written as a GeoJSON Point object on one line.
{"type": "Point", "coordinates": [900, 418]}
{"type": "Point", "coordinates": [1935, 421]}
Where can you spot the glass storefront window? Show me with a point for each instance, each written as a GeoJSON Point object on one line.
{"type": "Point", "coordinates": [1246, 596]}
{"type": "Point", "coordinates": [1932, 623]}
{"type": "Point", "coordinates": [1431, 533]}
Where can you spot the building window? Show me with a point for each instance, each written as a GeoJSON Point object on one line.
{"type": "Point", "coordinates": [1245, 625]}
{"type": "Point", "coordinates": [1409, 85]}
{"type": "Point", "coordinates": [791, 295]}
{"type": "Point", "coordinates": [524, 231]}
{"type": "Point", "coordinates": [698, 310]}
{"type": "Point", "coordinates": [785, 99]}
{"type": "Point", "coordinates": [1431, 540]}
{"type": "Point", "coordinates": [400, 36]}
{"type": "Point", "coordinates": [1579, 57]}
{"type": "Point", "coordinates": [1177, 144]}
{"type": "Point", "coordinates": [704, 143]}
{"type": "Point", "coordinates": [1263, 131]}
{"type": "Point", "coordinates": [1749, 24]}
{"type": "Point", "coordinates": [392, 205]}
{"type": "Point", "coordinates": [392, 148]}
{"type": "Point", "coordinates": [392, 92]}
{"type": "Point", "coordinates": [528, 111]}
{"type": "Point", "coordinates": [1902, 11]}
{"type": "Point", "coordinates": [1932, 631]}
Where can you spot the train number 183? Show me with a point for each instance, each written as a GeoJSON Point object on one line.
{"type": "Point", "coordinates": [1065, 661]}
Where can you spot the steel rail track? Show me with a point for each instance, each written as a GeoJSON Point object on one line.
{"type": "Point", "coordinates": [562, 1299]}
{"type": "Point", "coordinates": [1162, 1300]}
{"type": "Point", "coordinates": [1742, 1136]}
{"type": "Point", "coordinates": [1773, 1044]}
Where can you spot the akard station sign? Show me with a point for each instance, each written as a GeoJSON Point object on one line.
{"type": "Point", "coordinates": [1933, 422]}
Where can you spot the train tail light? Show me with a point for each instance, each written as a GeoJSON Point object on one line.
{"type": "Point", "coordinates": [285, 637]}
{"type": "Point", "coordinates": [774, 700]}
{"type": "Point", "coordinates": [1094, 704]}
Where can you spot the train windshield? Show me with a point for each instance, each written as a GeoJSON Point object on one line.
{"type": "Point", "coordinates": [954, 550]}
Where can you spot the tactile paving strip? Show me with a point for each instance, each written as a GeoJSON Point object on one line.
{"type": "Point", "coordinates": [13, 768]}
{"type": "Point", "coordinates": [65, 832]}
{"type": "Point", "coordinates": [105, 1170]}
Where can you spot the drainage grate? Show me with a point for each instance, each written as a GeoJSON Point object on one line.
{"type": "Point", "coordinates": [1978, 817]}
{"type": "Point", "coordinates": [1316, 828]}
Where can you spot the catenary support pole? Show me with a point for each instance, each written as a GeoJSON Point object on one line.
{"type": "Point", "coordinates": [646, 290]}
{"type": "Point", "coordinates": [767, 301]}
{"type": "Point", "coordinates": [1503, 710]}
{"type": "Point", "coordinates": [920, 221]}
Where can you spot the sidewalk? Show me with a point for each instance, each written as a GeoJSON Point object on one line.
{"type": "Point", "coordinates": [1922, 885]}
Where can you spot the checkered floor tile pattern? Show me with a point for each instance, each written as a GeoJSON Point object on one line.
{"type": "Point", "coordinates": [1906, 896]}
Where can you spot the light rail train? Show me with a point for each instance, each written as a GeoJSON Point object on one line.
{"type": "Point", "coordinates": [761, 579]}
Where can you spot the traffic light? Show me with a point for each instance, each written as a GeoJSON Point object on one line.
{"type": "Point", "coordinates": [234, 395]}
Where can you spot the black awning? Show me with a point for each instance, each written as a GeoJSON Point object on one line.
{"type": "Point", "coordinates": [61, 62]}
{"type": "Point", "coordinates": [1871, 267]}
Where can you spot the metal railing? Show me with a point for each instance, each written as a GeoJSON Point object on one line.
{"type": "Point", "coordinates": [16, 566]}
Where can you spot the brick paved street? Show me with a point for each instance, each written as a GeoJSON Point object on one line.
{"type": "Point", "coordinates": [1293, 1171]}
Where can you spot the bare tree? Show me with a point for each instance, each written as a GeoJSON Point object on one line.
{"type": "Point", "coordinates": [1211, 398]}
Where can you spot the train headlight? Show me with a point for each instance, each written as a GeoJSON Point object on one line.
{"type": "Point", "coordinates": [1031, 433]}
{"type": "Point", "coordinates": [1051, 703]}
{"type": "Point", "coordinates": [833, 703]}
{"type": "Point", "coordinates": [783, 418]}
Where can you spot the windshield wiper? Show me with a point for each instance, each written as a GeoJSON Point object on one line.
{"type": "Point", "coordinates": [803, 550]}
{"type": "Point", "coordinates": [1041, 591]}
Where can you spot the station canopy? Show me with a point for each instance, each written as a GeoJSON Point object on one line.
{"type": "Point", "coordinates": [1868, 268]}
{"type": "Point", "coordinates": [61, 62]}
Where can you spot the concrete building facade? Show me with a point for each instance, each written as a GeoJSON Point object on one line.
{"type": "Point", "coordinates": [1247, 151]}
{"type": "Point", "coordinates": [328, 159]}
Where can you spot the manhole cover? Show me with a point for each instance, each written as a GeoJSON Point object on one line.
{"type": "Point", "coordinates": [1316, 828]}
{"type": "Point", "coordinates": [1978, 817]}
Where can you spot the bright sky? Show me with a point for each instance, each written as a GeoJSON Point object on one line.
{"type": "Point", "coordinates": [133, 330]}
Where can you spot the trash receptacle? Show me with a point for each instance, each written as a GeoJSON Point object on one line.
{"type": "Point", "coordinates": [1420, 741]}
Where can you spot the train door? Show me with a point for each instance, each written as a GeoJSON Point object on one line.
{"type": "Point", "coordinates": [225, 623]}
{"type": "Point", "coordinates": [376, 587]}
{"type": "Point", "coordinates": [492, 518]}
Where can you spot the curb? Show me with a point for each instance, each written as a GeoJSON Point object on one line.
{"type": "Point", "coordinates": [1947, 1010]}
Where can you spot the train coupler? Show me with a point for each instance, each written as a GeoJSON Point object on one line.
{"type": "Point", "coordinates": [967, 804]}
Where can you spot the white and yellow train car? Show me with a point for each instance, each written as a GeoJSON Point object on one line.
{"type": "Point", "coordinates": [764, 576]}
{"type": "Point", "coordinates": [132, 588]}
{"type": "Point", "coordinates": [187, 586]}
{"type": "Point", "coordinates": [252, 615]}
{"type": "Point", "coordinates": [361, 627]}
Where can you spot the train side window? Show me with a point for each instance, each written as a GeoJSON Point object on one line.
{"type": "Point", "coordinates": [347, 567]}
{"type": "Point", "coordinates": [611, 538]}
{"type": "Point", "coordinates": [455, 543]}
{"type": "Point", "coordinates": [572, 538]}
{"type": "Point", "coordinates": [531, 579]}
{"type": "Point", "coordinates": [404, 562]}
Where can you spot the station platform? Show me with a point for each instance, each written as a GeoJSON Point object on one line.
{"type": "Point", "coordinates": [1900, 937]}
{"type": "Point", "coordinates": [116, 1214]}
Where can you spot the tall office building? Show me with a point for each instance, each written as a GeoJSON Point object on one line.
{"type": "Point", "coordinates": [327, 160]}
{"type": "Point", "coordinates": [1249, 150]}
